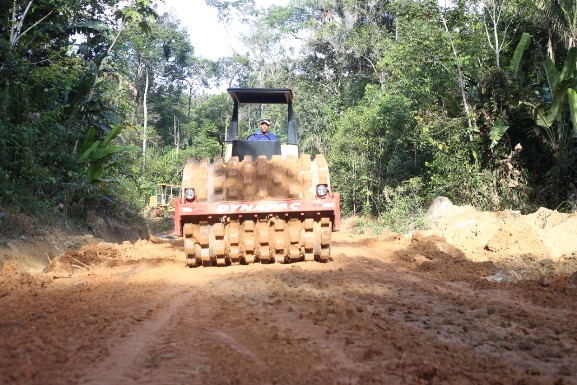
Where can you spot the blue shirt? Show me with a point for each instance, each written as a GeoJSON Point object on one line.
{"type": "Point", "coordinates": [257, 135]}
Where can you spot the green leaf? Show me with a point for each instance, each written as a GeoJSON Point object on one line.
{"type": "Point", "coordinates": [98, 61]}
{"type": "Point", "coordinates": [539, 114]}
{"type": "Point", "coordinates": [95, 170]}
{"type": "Point", "coordinates": [112, 134]}
{"type": "Point", "coordinates": [551, 72]}
{"type": "Point", "coordinates": [88, 139]}
{"type": "Point", "coordinates": [110, 116]}
{"type": "Point", "coordinates": [568, 71]}
{"type": "Point", "coordinates": [518, 55]}
{"type": "Point", "coordinates": [559, 82]}
{"type": "Point", "coordinates": [106, 152]}
{"type": "Point", "coordinates": [80, 90]}
{"type": "Point", "coordinates": [572, 95]}
{"type": "Point", "coordinates": [497, 131]}
{"type": "Point", "coordinates": [88, 153]}
{"type": "Point", "coordinates": [559, 101]}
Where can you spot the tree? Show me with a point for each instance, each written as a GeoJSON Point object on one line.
{"type": "Point", "coordinates": [561, 16]}
{"type": "Point", "coordinates": [554, 116]}
{"type": "Point", "coordinates": [494, 15]}
{"type": "Point", "coordinates": [52, 100]}
{"type": "Point", "coordinates": [162, 56]}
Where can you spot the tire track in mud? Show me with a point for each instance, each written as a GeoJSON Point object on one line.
{"type": "Point", "coordinates": [241, 327]}
{"type": "Point", "coordinates": [124, 354]}
{"type": "Point", "coordinates": [491, 320]}
{"type": "Point", "coordinates": [198, 345]}
{"type": "Point", "coordinates": [493, 324]}
{"type": "Point", "coordinates": [229, 339]}
{"type": "Point", "coordinates": [370, 316]}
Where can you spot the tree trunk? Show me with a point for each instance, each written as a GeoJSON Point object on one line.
{"type": "Point", "coordinates": [139, 70]}
{"type": "Point", "coordinates": [550, 50]}
{"type": "Point", "coordinates": [354, 175]}
{"type": "Point", "coordinates": [460, 76]}
{"type": "Point", "coordinates": [189, 99]}
{"type": "Point", "coordinates": [176, 130]}
{"type": "Point", "coordinates": [17, 25]}
{"type": "Point", "coordinates": [145, 128]}
{"type": "Point", "coordinates": [494, 8]}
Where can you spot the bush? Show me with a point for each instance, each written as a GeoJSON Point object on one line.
{"type": "Point", "coordinates": [405, 207]}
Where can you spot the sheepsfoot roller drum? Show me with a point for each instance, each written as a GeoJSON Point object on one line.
{"type": "Point", "coordinates": [231, 215]}
{"type": "Point", "coordinates": [262, 202]}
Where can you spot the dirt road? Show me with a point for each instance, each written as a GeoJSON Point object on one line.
{"type": "Point", "coordinates": [387, 309]}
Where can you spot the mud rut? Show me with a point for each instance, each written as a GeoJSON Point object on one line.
{"type": "Point", "coordinates": [384, 311]}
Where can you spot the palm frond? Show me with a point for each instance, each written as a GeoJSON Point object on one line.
{"type": "Point", "coordinates": [561, 17]}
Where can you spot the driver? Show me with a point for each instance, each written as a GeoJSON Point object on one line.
{"type": "Point", "coordinates": [263, 133]}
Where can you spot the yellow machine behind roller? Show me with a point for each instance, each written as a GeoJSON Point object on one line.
{"type": "Point", "coordinates": [162, 203]}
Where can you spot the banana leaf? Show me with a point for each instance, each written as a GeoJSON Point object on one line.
{"type": "Point", "coordinates": [559, 101]}
{"type": "Point", "coordinates": [524, 43]}
{"type": "Point", "coordinates": [572, 96]}
{"type": "Point", "coordinates": [497, 131]}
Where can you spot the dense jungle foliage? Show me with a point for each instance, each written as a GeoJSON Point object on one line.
{"type": "Point", "coordinates": [409, 99]}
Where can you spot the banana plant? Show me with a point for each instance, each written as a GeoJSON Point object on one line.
{"type": "Point", "coordinates": [555, 119]}
{"type": "Point", "coordinates": [522, 46]}
{"type": "Point", "coordinates": [497, 131]}
{"type": "Point", "coordinates": [500, 126]}
{"type": "Point", "coordinates": [96, 152]}
{"type": "Point", "coordinates": [559, 99]}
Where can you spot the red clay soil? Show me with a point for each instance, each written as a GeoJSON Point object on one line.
{"type": "Point", "coordinates": [481, 298]}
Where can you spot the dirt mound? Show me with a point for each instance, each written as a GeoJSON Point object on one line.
{"type": "Point", "coordinates": [545, 234]}
{"type": "Point", "coordinates": [520, 247]}
{"type": "Point", "coordinates": [433, 255]}
{"type": "Point", "coordinates": [87, 256]}
{"type": "Point", "coordinates": [106, 254]}
{"type": "Point", "coordinates": [37, 248]}
{"type": "Point", "coordinates": [115, 230]}
{"type": "Point", "coordinates": [14, 277]}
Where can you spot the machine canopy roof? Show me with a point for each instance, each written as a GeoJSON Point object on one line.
{"type": "Point", "coordinates": [261, 95]}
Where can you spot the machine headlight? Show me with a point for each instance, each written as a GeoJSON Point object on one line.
{"type": "Point", "coordinates": [322, 190]}
{"type": "Point", "coordinates": [189, 194]}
